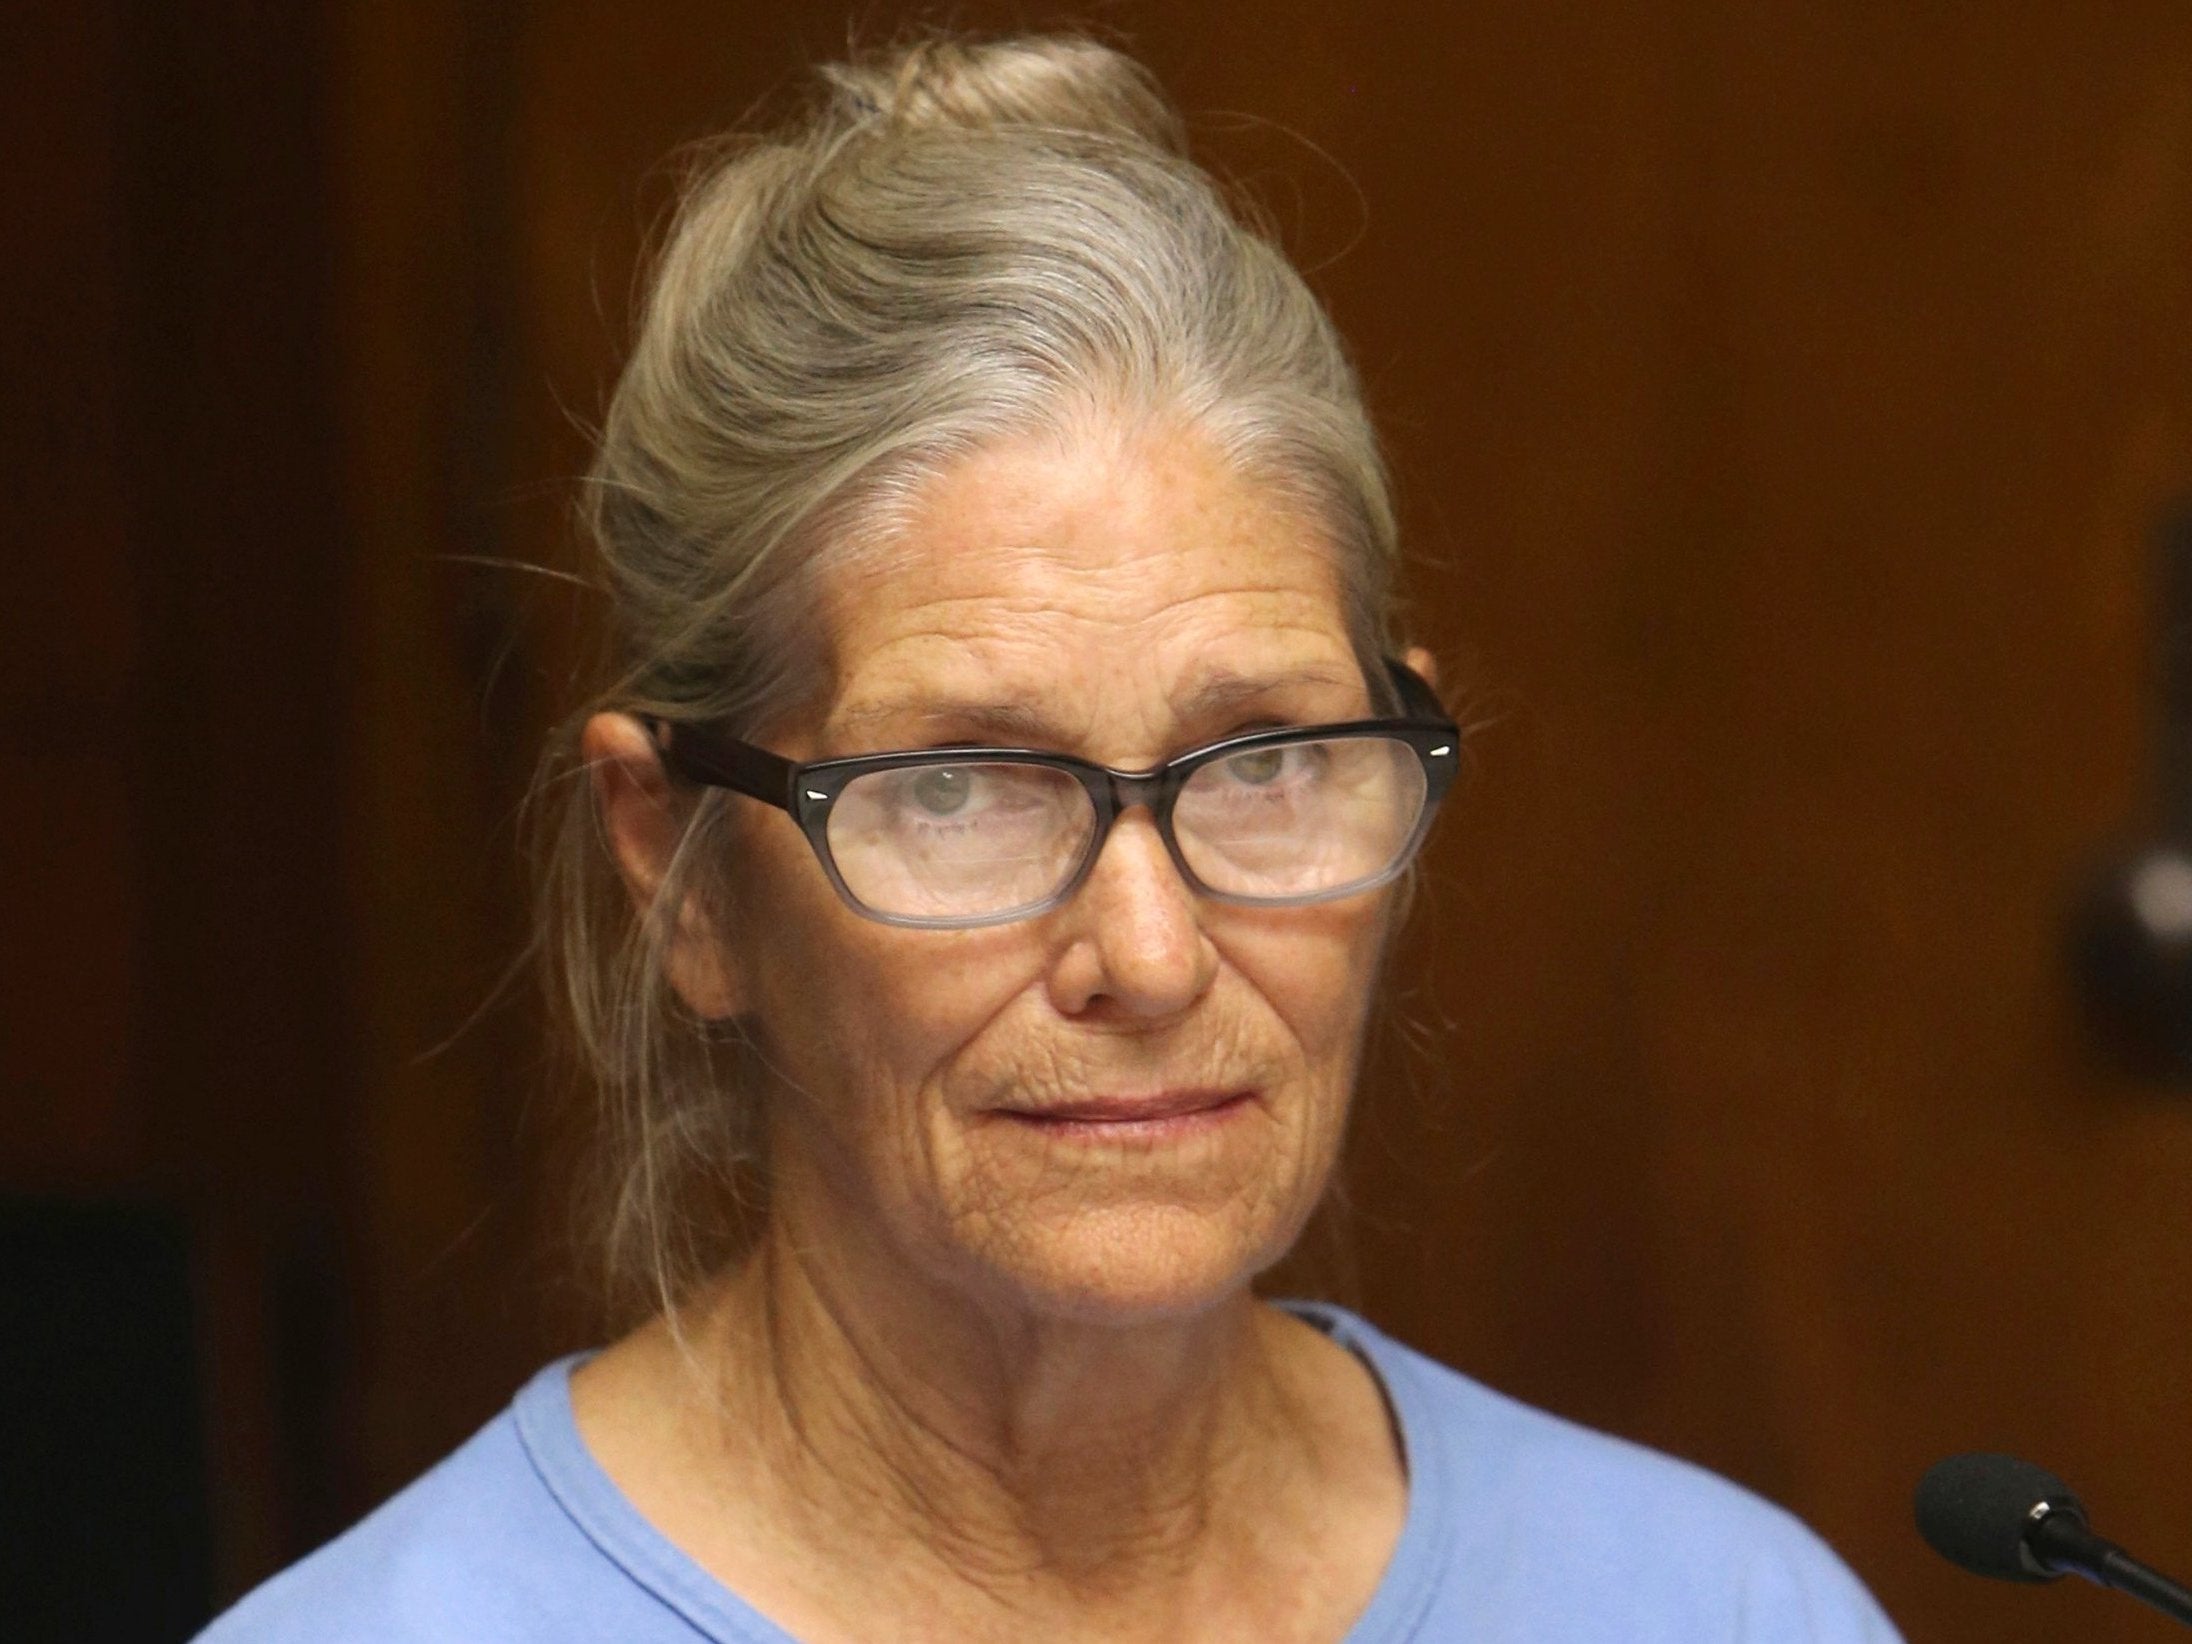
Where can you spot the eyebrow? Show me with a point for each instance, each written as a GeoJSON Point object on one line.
{"type": "Point", "coordinates": [1023, 723]}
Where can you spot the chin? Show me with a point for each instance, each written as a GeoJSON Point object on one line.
{"type": "Point", "coordinates": [1123, 1265]}
{"type": "Point", "coordinates": [1117, 1230]}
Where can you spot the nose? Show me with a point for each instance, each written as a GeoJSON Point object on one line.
{"type": "Point", "coordinates": [1135, 944]}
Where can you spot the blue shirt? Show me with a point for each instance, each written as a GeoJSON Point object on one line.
{"type": "Point", "coordinates": [1521, 1528]}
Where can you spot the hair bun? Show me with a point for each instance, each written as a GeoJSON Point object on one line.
{"type": "Point", "coordinates": [1056, 82]}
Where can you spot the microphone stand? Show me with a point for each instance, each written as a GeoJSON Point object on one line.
{"type": "Point", "coordinates": [2059, 1541]}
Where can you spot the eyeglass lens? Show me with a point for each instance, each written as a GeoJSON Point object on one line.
{"type": "Point", "coordinates": [978, 840]}
{"type": "Point", "coordinates": [959, 841]}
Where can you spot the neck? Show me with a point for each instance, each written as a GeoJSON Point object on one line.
{"type": "Point", "coordinates": [863, 1451]}
{"type": "Point", "coordinates": [999, 1448]}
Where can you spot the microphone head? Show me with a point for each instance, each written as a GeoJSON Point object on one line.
{"type": "Point", "coordinates": [1975, 1510]}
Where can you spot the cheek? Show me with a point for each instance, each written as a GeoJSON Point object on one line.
{"type": "Point", "coordinates": [1315, 972]}
{"type": "Point", "coordinates": [858, 1015]}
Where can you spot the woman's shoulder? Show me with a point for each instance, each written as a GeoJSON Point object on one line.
{"type": "Point", "coordinates": [479, 1548]}
{"type": "Point", "coordinates": [1575, 1533]}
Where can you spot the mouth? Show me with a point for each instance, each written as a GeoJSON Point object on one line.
{"type": "Point", "coordinates": [1160, 1115]}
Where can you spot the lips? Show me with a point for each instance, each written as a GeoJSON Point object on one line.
{"type": "Point", "coordinates": [1132, 1110]}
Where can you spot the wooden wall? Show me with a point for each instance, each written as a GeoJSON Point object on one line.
{"type": "Point", "coordinates": [1780, 396]}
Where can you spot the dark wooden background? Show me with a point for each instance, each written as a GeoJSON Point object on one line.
{"type": "Point", "coordinates": [1781, 394]}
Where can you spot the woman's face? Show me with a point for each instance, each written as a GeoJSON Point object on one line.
{"type": "Point", "coordinates": [974, 1103]}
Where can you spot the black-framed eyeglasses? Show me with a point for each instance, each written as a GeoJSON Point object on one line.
{"type": "Point", "coordinates": [949, 838]}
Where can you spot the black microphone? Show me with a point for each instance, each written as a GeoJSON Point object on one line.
{"type": "Point", "coordinates": [2001, 1517]}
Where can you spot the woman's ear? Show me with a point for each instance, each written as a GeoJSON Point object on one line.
{"type": "Point", "coordinates": [1422, 664]}
{"type": "Point", "coordinates": [644, 818]}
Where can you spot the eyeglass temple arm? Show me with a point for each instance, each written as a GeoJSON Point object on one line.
{"type": "Point", "coordinates": [1417, 699]}
{"type": "Point", "coordinates": [724, 762]}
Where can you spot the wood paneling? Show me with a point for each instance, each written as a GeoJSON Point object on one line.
{"type": "Point", "coordinates": [67, 646]}
{"type": "Point", "coordinates": [244, 1062]}
{"type": "Point", "coordinates": [169, 702]}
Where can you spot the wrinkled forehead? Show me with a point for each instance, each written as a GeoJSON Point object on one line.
{"type": "Point", "coordinates": [1110, 588]}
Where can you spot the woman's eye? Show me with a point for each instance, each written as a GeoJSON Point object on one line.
{"type": "Point", "coordinates": [1263, 766]}
{"type": "Point", "coordinates": [942, 791]}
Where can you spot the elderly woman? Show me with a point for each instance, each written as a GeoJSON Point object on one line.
{"type": "Point", "coordinates": [991, 842]}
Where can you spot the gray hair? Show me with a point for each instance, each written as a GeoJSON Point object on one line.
{"type": "Point", "coordinates": [957, 244]}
